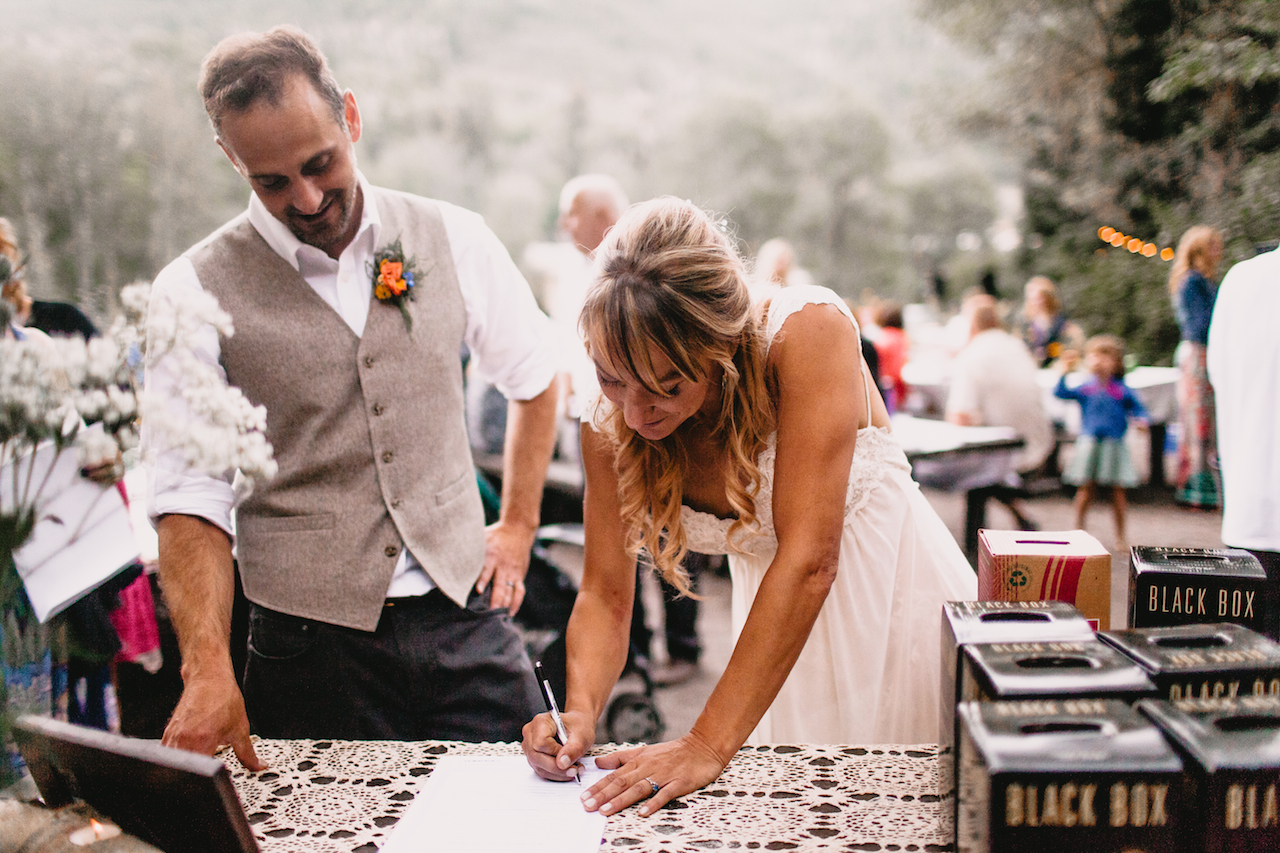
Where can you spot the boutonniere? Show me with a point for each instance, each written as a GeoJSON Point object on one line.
{"type": "Point", "coordinates": [392, 276]}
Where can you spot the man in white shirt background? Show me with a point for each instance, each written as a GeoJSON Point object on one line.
{"type": "Point", "coordinates": [379, 603]}
{"type": "Point", "coordinates": [1244, 368]}
{"type": "Point", "coordinates": [993, 383]}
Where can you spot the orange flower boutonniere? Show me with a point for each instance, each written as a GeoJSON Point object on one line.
{"type": "Point", "coordinates": [393, 276]}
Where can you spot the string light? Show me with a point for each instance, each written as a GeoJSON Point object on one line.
{"type": "Point", "coordinates": [1137, 246]}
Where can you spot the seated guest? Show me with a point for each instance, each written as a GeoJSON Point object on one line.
{"type": "Point", "coordinates": [993, 383]}
{"type": "Point", "coordinates": [751, 430]}
{"type": "Point", "coordinates": [1046, 330]}
{"type": "Point", "coordinates": [380, 604]}
{"type": "Point", "coordinates": [893, 348]}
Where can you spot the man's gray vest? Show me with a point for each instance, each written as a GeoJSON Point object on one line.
{"type": "Point", "coordinates": [368, 432]}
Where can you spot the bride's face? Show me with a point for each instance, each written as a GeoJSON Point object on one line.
{"type": "Point", "coordinates": [654, 416]}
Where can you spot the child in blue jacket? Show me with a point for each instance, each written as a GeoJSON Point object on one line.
{"type": "Point", "coordinates": [1106, 404]}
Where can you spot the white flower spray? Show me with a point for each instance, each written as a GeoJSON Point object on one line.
{"type": "Point", "coordinates": [50, 388]}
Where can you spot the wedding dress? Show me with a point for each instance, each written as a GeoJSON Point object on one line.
{"type": "Point", "coordinates": [870, 671]}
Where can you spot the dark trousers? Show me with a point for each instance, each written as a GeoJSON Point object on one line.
{"type": "Point", "coordinates": [680, 615]}
{"type": "Point", "coordinates": [431, 671]}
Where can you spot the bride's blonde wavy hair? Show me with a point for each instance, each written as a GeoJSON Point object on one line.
{"type": "Point", "coordinates": [667, 276]}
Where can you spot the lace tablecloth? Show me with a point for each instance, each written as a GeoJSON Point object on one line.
{"type": "Point", "coordinates": [344, 796]}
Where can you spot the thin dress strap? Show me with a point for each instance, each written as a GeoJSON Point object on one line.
{"type": "Point", "coordinates": [785, 301]}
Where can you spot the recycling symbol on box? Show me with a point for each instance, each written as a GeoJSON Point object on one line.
{"type": "Point", "coordinates": [1018, 578]}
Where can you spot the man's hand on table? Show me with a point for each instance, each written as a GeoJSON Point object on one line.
{"type": "Point", "coordinates": [506, 561]}
{"type": "Point", "coordinates": [209, 714]}
{"type": "Point", "coordinates": [676, 768]}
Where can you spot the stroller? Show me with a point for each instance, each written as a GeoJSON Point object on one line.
{"type": "Point", "coordinates": [631, 715]}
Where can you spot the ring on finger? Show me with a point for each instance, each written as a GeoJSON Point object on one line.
{"type": "Point", "coordinates": [511, 584]}
{"type": "Point", "coordinates": [654, 785]}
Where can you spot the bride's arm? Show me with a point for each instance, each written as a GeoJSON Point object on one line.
{"type": "Point", "coordinates": [816, 365]}
{"type": "Point", "coordinates": [599, 628]}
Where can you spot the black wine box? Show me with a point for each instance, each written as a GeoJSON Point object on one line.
{"type": "Point", "coordinates": [965, 622]}
{"type": "Point", "coordinates": [1055, 775]}
{"type": "Point", "coordinates": [1202, 661]}
{"type": "Point", "coordinates": [1187, 586]}
{"type": "Point", "coordinates": [1043, 670]}
{"type": "Point", "coordinates": [1231, 749]}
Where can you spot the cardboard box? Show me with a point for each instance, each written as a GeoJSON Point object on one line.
{"type": "Point", "coordinates": [1202, 661]}
{"type": "Point", "coordinates": [1051, 776]}
{"type": "Point", "coordinates": [1067, 565]}
{"type": "Point", "coordinates": [1070, 669]}
{"type": "Point", "coordinates": [1231, 749]}
{"type": "Point", "coordinates": [965, 622]}
{"type": "Point", "coordinates": [1186, 586]}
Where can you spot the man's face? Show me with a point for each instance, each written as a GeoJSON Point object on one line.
{"type": "Point", "coordinates": [587, 220]}
{"type": "Point", "coordinates": [300, 162]}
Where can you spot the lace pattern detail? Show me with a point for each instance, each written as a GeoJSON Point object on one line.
{"type": "Point", "coordinates": [875, 452]}
{"type": "Point", "coordinates": [346, 797]}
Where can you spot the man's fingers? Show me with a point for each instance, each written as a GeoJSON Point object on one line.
{"type": "Point", "coordinates": [243, 748]}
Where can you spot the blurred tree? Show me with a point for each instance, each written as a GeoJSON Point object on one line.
{"type": "Point", "coordinates": [1145, 115]}
{"type": "Point", "coordinates": [105, 187]}
{"type": "Point", "coordinates": [72, 181]}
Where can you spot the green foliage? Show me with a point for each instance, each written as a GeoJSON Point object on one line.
{"type": "Point", "coordinates": [1145, 115]}
{"type": "Point", "coordinates": [795, 121]}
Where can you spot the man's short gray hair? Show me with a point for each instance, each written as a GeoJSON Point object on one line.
{"type": "Point", "coordinates": [598, 184]}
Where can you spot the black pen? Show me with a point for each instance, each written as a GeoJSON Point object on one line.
{"type": "Point", "coordinates": [550, 698]}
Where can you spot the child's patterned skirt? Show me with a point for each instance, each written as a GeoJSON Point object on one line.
{"type": "Point", "coordinates": [1104, 461]}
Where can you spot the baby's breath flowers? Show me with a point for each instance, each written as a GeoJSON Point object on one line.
{"type": "Point", "coordinates": [50, 388]}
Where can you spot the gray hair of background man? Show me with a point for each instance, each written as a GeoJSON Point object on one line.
{"type": "Point", "coordinates": [603, 187]}
{"type": "Point", "coordinates": [244, 69]}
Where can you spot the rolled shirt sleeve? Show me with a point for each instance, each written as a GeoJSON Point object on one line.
{"type": "Point", "coordinates": [173, 487]}
{"type": "Point", "coordinates": [510, 339]}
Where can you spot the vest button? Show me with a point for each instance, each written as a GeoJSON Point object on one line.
{"type": "Point", "coordinates": [395, 504]}
{"type": "Point", "coordinates": [377, 408]}
{"type": "Point", "coordinates": [368, 361]}
{"type": "Point", "coordinates": [387, 457]}
{"type": "Point", "coordinates": [391, 550]}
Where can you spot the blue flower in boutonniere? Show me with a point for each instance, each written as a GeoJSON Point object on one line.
{"type": "Point", "coordinates": [393, 276]}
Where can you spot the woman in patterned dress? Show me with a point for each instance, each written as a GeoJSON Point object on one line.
{"type": "Point", "coordinates": [751, 430]}
{"type": "Point", "coordinates": [1193, 289]}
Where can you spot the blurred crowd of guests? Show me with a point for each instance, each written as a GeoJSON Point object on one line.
{"type": "Point", "coordinates": [995, 351]}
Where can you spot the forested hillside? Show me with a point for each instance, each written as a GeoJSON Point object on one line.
{"type": "Point", "coordinates": [824, 122]}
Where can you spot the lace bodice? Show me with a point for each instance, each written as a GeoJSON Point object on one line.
{"type": "Point", "coordinates": [875, 452]}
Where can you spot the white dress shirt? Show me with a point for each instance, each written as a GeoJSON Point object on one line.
{"type": "Point", "coordinates": [1244, 368]}
{"type": "Point", "coordinates": [994, 379]}
{"type": "Point", "coordinates": [509, 338]}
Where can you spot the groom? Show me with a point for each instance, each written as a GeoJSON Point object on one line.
{"type": "Point", "coordinates": [380, 605]}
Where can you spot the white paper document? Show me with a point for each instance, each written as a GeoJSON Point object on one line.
{"type": "Point", "coordinates": [497, 804]}
{"type": "Point", "coordinates": [82, 534]}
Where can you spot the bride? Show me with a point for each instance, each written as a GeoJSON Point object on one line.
{"type": "Point", "coordinates": [751, 430]}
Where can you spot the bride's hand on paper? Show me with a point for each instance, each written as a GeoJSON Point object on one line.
{"type": "Point", "coordinates": [675, 768]}
{"type": "Point", "coordinates": [546, 756]}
